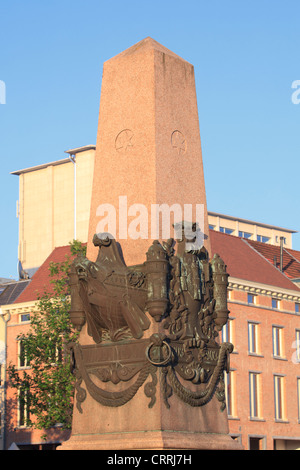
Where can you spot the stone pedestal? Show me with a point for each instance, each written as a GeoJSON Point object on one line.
{"type": "Point", "coordinates": [136, 426]}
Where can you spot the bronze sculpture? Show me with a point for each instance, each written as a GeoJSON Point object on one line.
{"type": "Point", "coordinates": [184, 292]}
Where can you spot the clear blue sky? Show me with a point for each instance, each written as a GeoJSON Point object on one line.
{"type": "Point", "coordinates": [246, 57]}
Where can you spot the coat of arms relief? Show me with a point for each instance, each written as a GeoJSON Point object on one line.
{"type": "Point", "coordinates": [183, 291]}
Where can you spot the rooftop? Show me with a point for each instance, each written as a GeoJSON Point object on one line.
{"type": "Point", "coordinates": [10, 292]}
{"type": "Point", "coordinates": [80, 149]}
{"type": "Point", "coordinates": [290, 263]}
{"type": "Point", "coordinates": [40, 281]}
{"type": "Point", "coordinates": [4, 280]}
{"type": "Point", "coordinates": [245, 260]}
{"type": "Point", "coordinates": [251, 222]}
{"type": "Point", "coordinates": [56, 162]}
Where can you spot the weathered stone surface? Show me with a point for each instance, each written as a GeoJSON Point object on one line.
{"type": "Point", "coordinates": [148, 144]}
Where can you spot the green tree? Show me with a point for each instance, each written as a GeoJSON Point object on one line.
{"type": "Point", "coordinates": [47, 386]}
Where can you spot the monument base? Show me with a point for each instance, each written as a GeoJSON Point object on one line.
{"type": "Point", "coordinates": [152, 440]}
{"type": "Point", "coordinates": [152, 419]}
{"type": "Point", "coordinates": [135, 426]}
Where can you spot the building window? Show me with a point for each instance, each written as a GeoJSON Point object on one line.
{"type": "Point", "coordinates": [298, 397]}
{"type": "Point", "coordinates": [254, 395]}
{"type": "Point", "coordinates": [251, 299]}
{"type": "Point", "coordinates": [296, 344]}
{"type": "Point", "coordinates": [230, 393]}
{"type": "Point", "coordinates": [56, 354]}
{"type": "Point", "coordinates": [253, 338]}
{"type": "Point", "coordinates": [23, 361]}
{"type": "Point", "coordinates": [277, 239]}
{"type": "Point", "coordinates": [279, 397]}
{"type": "Point", "coordinates": [212, 227]}
{"type": "Point", "coordinates": [261, 238]}
{"type": "Point", "coordinates": [256, 443]}
{"type": "Point", "coordinates": [228, 332]}
{"type": "Point", "coordinates": [275, 303]}
{"type": "Point", "coordinates": [297, 308]}
{"type": "Point", "coordinates": [245, 234]}
{"type": "Point", "coordinates": [24, 317]}
{"type": "Point", "coordinates": [278, 341]}
{"type": "Point", "coordinates": [24, 412]}
{"type": "Point", "coordinates": [229, 231]}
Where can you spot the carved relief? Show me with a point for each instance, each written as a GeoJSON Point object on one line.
{"type": "Point", "coordinates": [178, 142]}
{"type": "Point", "coordinates": [184, 291]}
{"type": "Point", "coordinates": [124, 141]}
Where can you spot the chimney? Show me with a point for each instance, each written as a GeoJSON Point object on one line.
{"type": "Point", "coordinates": [281, 253]}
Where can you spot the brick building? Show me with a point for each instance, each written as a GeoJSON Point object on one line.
{"type": "Point", "coordinates": [263, 386]}
{"type": "Point", "coordinates": [18, 312]}
{"type": "Point", "coordinates": [10, 290]}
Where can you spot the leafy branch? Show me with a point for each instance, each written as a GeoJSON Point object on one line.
{"type": "Point", "coordinates": [46, 386]}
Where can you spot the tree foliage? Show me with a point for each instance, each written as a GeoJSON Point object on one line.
{"type": "Point", "coordinates": [47, 384]}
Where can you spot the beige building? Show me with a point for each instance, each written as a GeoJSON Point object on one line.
{"type": "Point", "coordinates": [250, 230]}
{"type": "Point", "coordinates": [54, 205]}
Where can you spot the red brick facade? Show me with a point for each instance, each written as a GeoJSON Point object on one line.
{"type": "Point", "coordinates": [16, 432]}
{"type": "Point", "coordinates": [264, 426]}
{"type": "Point", "coordinates": [263, 384]}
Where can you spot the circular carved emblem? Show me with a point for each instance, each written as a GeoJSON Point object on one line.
{"type": "Point", "coordinates": [178, 142]}
{"type": "Point", "coordinates": [123, 142]}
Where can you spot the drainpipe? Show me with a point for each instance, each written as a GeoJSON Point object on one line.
{"type": "Point", "coordinates": [5, 318]}
{"type": "Point", "coordinates": [73, 160]}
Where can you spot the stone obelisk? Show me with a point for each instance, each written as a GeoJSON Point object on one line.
{"type": "Point", "coordinates": [148, 152]}
{"type": "Point", "coordinates": [148, 145]}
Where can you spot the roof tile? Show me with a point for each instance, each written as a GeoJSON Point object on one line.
{"type": "Point", "coordinates": [245, 259]}
{"type": "Point", "coordinates": [245, 262]}
{"type": "Point", "coordinates": [290, 265]}
{"type": "Point", "coordinates": [40, 282]}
